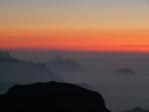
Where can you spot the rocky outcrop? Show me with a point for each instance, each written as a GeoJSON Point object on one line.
{"type": "Point", "coordinates": [51, 97]}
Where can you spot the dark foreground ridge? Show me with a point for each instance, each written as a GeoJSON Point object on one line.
{"type": "Point", "coordinates": [51, 97]}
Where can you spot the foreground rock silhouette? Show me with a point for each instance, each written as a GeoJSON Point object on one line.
{"type": "Point", "coordinates": [51, 97]}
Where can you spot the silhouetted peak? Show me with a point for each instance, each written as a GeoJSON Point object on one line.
{"type": "Point", "coordinates": [52, 97]}
{"type": "Point", "coordinates": [60, 59]}
{"type": "Point", "coordinates": [4, 54]}
{"type": "Point", "coordinates": [45, 86]}
{"type": "Point", "coordinates": [67, 65]}
{"type": "Point", "coordinates": [14, 70]}
{"type": "Point", "coordinates": [5, 57]}
{"type": "Point", "coordinates": [126, 71]}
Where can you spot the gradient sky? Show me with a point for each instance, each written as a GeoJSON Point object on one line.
{"type": "Point", "coordinates": [102, 25]}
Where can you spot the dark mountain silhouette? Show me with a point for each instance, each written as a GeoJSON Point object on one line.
{"type": "Point", "coordinates": [51, 97]}
{"type": "Point", "coordinates": [14, 70]}
{"type": "Point", "coordinates": [5, 57]}
{"type": "Point", "coordinates": [138, 109]}
{"type": "Point", "coordinates": [125, 71]}
{"type": "Point", "coordinates": [62, 65]}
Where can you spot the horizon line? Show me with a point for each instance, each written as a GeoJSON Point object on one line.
{"type": "Point", "coordinates": [75, 50]}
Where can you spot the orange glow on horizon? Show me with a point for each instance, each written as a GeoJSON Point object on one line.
{"type": "Point", "coordinates": [98, 40]}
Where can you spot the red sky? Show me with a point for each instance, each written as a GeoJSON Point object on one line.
{"type": "Point", "coordinates": [73, 25]}
{"type": "Point", "coordinates": [100, 40]}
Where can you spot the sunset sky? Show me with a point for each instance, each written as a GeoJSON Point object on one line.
{"type": "Point", "coordinates": [100, 25]}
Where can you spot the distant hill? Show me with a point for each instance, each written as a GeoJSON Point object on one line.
{"type": "Point", "coordinates": [5, 57]}
{"type": "Point", "coordinates": [62, 65]}
{"type": "Point", "coordinates": [138, 109]}
{"type": "Point", "coordinates": [125, 71]}
{"type": "Point", "coordinates": [14, 70]}
{"type": "Point", "coordinates": [51, 97]}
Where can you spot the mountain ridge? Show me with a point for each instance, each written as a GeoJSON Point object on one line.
{"type": "Point", "coordinates": [52, 96]}
{"type": "Point", "coordinates": [14, 70]}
